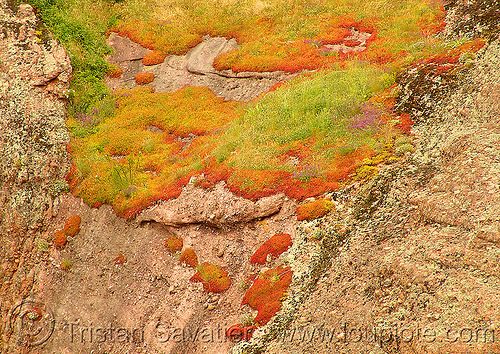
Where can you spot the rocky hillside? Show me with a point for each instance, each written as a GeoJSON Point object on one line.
{"type": "Point", "coordinates": [34, 74]}
{"type": "Point", "coordinates": [417, 272]}
{"type": "Point", "coordinates": [404, 262]}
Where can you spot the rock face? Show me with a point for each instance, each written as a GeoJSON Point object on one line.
{"type": "Point", "coordinates": [217, 208]}
{"type": "Point", "coordinates": [151, 291]}
{"type": "Point", "coordinates": [200, 58]}
{"type": "Point", "coordinates": [34, 74]}
{"type": "Point", "coordinates": [40, 61]}
{"type": "Point", "coordinates": [125, 49]}
{"type": "Point", "coordinates": [192, 69]}
{"type": "Point", "coordinates": [411, 255]}
{"type": "Point", "coordinates": [33, 78]}
{"type": "Point", "coordinates": [53, 64]}
{"type": "Point", "coordinates": [422, 247]}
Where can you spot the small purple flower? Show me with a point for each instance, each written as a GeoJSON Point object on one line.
{"type": "Point", "coordinates": [88, 120]}
{"type": "Point", "coordinates": [163, 23]}
{"type": "Point", "coordinates": [368, 118]}
{"type": "Point", "coordinates": [315, 42]}
{"type": "Point", "coordinates": [306, 172]}
{"type": "Point", "coordinates": [324, 51]}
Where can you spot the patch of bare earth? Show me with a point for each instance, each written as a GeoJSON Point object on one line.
{"type": "Point", "coordinates": [151, 291]}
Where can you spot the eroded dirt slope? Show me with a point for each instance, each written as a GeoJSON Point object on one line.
{"type": "Point", "coordinates": [151, 291]}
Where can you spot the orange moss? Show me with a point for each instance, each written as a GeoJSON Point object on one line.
{"type": "Point", "coordinates": [215, 172]}
{"type": "Point", "coordinates": [434, 22]}
{"type": "Point", "coordinates": [275, 53]}
{"type": "Point", "coordinates": [290, 58]}
{"type": "Point", "coordinates": [333, 35]}
{"type": "Point", "coordinates": [267, 291]}
{"type": "Point", "coordinates": [352, 42]}
{"type": "Point", "coordinates": [452, 56]}
{"type": "Point", "coordinates": [314, 187]}
{"type": "Point", "coordinates": [153, 58]}
{"type": "Point", "coordinates": [159, 164]}
{"type": "Point", "coordinates": [276, 86]}
{"type": "Point", "coordinates": [406, 123]}
{"type": "Point", "coordinates": [180, 112]}
{"type": "Point", "coordinates": [301, 54]}
{"type": "Point", "coordinates": [174, 244]}
{"type": "Point", "coordinates": [133, 32]}
{"type": "Point", "coordinates": [338, 30]}
{"type": "Point", "coordinates": [314, 210]}
{"type": "Point", "coordinates": [163, 170]}
{"type": "Point", "coordinates": [472, 46]}
{"type": "Point", "coordinates": [275, 246]}
{"type": "Point", "coordinates": [214, 278]}
{"type": "Point", "coordinates": [366, 25]}
{"type": "Point", "coordinates": [344, 166]}
{"type": "Point", "coordinates": [115, 71]}
{"type": "Point", "coordinates": [72, 225]}
{"type": "Point", "coordinates": [60, 239]}
{"type": "Point", "coordinates": [144, 78]}
{"type": "Point", "coordinates": [189, 257]}
{"type": "Point", "coordinates": [257, 184]}
{"type": "Point", "coordinates": [378, 56]}
{"type": "Point", "coordinates": [298, 149]}
{"type": "Point", "coordinates": [72, 178]}
{"type": "Point", "coordinates": [129, 208]}
{"type": "Point", "coordinates": [120, 259]}
{"type": "Point", "coordinates": [174, 190]}
{"type": "Point", "coordinates": [205, 184]}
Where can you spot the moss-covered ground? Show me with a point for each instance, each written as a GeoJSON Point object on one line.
{"type": "Point", "coordinates": [303, 138]}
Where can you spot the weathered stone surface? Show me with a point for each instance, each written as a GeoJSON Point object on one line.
{"type": "Point", "coordinates": [124, 49]}
{"type": "Point", "coordinates": [199, 60]}
{"type": "Point", "coordinates": [34, 75]}
{"type": "Point", "coordinates": [32, 126]}
{"type": "Point", "coordinates": [41, 62]}
{"type": "Point", "coordinates": [218, 207]}
{"type": "Point", "coordinates": [192, 69]}
{"type": "Point", "coordinates": [53, 63]}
